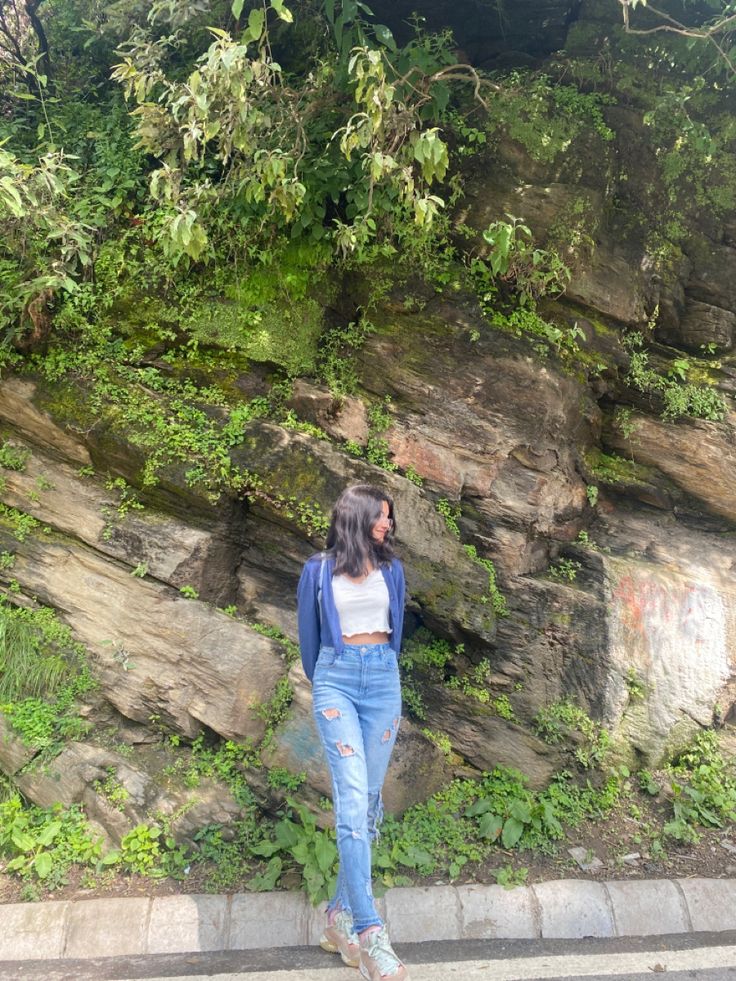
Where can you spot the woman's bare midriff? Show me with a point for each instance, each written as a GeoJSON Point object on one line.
{"type": "Point", "coordinates": [376, 638]}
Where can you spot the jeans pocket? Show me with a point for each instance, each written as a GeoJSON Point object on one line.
{"type": "Point", "coordinates": [325, 658]}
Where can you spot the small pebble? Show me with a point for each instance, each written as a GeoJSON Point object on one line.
{"type": "Point", "coordinates": [585, 858]}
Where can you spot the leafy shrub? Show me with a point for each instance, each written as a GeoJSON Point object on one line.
{"type": "Point", "coordinates": [301, 844]}
{"type": "Point", "coordinates": [45, 843]}
{"type": "Point", "coordinates": [703, 788]}
{"type": "Point", "coordinates": [565, 720]}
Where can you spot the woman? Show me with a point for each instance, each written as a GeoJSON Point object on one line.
{"type": "Point", "coordinates": [351, 613]}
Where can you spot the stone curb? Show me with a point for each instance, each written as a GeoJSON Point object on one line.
{"type": "Point", "coordinates": [562, 909]}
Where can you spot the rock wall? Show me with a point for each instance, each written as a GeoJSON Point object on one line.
{"type": "Point", "coordinates": [511, 431]}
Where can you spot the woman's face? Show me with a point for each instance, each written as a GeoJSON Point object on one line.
{"type": "Point", "coordinates": [381, 528]}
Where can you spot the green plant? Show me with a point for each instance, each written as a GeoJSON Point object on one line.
{"type": "Point", "coordinates": [678, 399]}
{"type": "Point", "coordinates": [127, 498]}
{"type": "Point", "coordinates": [44, 843]}
{"type": "Point", "coordinates": [140, 571]}
{"type": "Point", "coordinates": [703, 785]}
{"type": "Point", "coordinates": [228, 861]}
{"type": "Point", "coordinates": [7, 560]}
{"type": "Point", "coordinates": [565, 570]}
{"type": "Point", "coordinates": [609, 468]}
{"type": "Point", "coordinates": [637, 688]}
{"type": "Point", "coordinates": [648, 783]}
{"type": "Point", "coordinates": [275, 709]}
{"type": "Point", "coordinates": [474, 684]}
{"type": "Point", "coordinates": [507, 810]}
{"type": "Point", "coordinates": [13, 458]}
{"type": "Point", "coordinates": [141, 849]}
{"type": "Point", "coordinates": [546, 116]}
{"type": "Point", "coordinates": [112, 789]}
{"type": "Point", "coordinates": [509, 877]}
{"type": "Point", "coordinates": [289, 648]}
{"type": "Point", "coordinates": [279, 778]}
{"type": "Point", "coordinates": [428, 653]}
{"type": "Point", "coordinates": [585, 540]}
{"type": "Point", "coordinates": [226, 761]}
{"type": "Point", "coordinates": [411, 474]}
{"type": "Point", "coordinates": [451, 513]}
{"type": "Point", "coordinates": [377, 449]}
{"type": "Point", "coordinates": [339, 347]}
{"type": "Point", "coordinates": [533, 272]}
{"type": "Point", "coordinates": [348, 146]}
{"type": "Point", "coordinates": [19, 523]}
{"type": "Point", "coordinates": [564, 720]}
{"type": "Point", "coordinates": [503, 708]}
{"type": "Point", "coordinates": [527, 322]}
{"type": "Point", "coordinates": [300, 843]}
{"type": "Point", "coordinates": [38, 654]}
{"type": "Point", "coordinates": [440, 739]}
{"type": "Point", "coordinates": [189, 592]}
{"type": "Point", "coordinates": [591, 492]}
{"type": "Point", "coordinates": [498, 601]}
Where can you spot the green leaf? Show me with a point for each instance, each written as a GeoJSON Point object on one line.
{"type": "Point", "coordinates": [266, 881]}
{"type": "Point", "coordinates": [441, 96]}
{"type": "Point", "coordinates": [284, 13]}
{"type": "Point", "coordinates": [520, 810]}
{"type": "Point", "coordinates": [42, 864]}
{"type": "Point", "coordinates": [265, 848]}
{"type": "Point", "coordinates": [287, 833]}
{"type": "Point", "coordinates": [237, 8]}
{"type": "Point", "coordinates": [490, 826]}
{"type": "Point", "coordinates": [23, 842]}
{"type": "Point", "coordinates": [325, 852]}
{"type": "Point", "coordinates": [256, 20]}
{"type": "Point", "coordinates": [385, 37]}
{"type": "Point", "coordinates": [480, 807]}
{"type": "Point", "coordinates": [48, 833]}
{"type": "Point", "coordinates": [512, 831]}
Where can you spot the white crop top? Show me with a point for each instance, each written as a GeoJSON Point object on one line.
{"type": "Point", "coordinates": [362, 606]}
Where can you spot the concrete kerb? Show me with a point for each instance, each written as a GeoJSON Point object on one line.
{"type": "Point", "coordinates": [567, 908]}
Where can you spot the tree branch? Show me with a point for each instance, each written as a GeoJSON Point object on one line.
{"type": "Point", "coordinates": [673, 26]}
{"type": "Point", "coordinates": [43, 43]}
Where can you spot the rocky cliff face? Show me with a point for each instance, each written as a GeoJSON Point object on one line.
{"type": "Point", "coordinates": [612, 534]}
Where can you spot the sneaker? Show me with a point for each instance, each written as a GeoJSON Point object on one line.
{"type": "Point", "coordinates": [340, 938]}
{"type": "Point", "coordinates": [378, 959]}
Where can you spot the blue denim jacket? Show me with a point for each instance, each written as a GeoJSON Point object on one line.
{"type": "Point", "coordinates": [323, 630]}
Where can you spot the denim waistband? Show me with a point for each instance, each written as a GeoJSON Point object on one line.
{"type": "Point", "coordinates": [361, 649]}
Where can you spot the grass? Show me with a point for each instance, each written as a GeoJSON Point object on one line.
{"type": "Point", "coordinates": [36, 654]}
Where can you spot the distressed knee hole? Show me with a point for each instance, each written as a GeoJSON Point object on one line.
{"type": "Point", "coordinates": [355, 834]}
{"type": "Point", "coordinates": [331, 713]}
{"type": "Point", "coordinates": [386, 736]}
{"type": "Point", "coordinates": [344, 750]}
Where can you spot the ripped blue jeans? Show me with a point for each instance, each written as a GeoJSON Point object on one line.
{"type": "Point", "coordinates": [357, 708]}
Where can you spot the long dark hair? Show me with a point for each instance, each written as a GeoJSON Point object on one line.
{"type": "Point", "coordinates": [349, 538]}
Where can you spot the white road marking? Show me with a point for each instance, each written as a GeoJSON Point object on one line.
{"type": "Point", "coordinates": [514, 969]}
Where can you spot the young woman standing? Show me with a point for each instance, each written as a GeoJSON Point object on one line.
{"type": "Point", "coordinates": [351, 613]}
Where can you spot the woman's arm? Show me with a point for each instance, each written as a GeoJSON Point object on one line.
{"type": "Point", "coordinates": [308, 618]}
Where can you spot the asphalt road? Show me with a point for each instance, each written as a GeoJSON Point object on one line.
{"type": "Point", "coordinates": [700, 956]}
